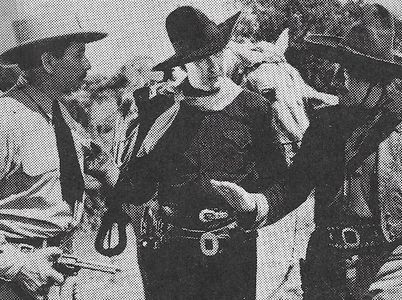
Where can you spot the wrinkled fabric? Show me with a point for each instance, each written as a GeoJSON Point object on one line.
{"type": "Point", "coordinates": [227, 93]}
{"type": "Point", "coordinates": [31, 203]}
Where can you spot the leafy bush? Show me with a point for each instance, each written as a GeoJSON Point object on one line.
{"type": "Point", "coordinates": [302, 17]}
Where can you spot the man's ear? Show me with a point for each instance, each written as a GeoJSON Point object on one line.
{"type": "Point", "coordinates": [48, 62]}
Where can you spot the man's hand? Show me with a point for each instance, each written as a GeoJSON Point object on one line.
{"type": "Point", "coordinates": [236, 196]}
{"type": "Point", "coordinates": [37, 274]}
{"type": "Point", "coordinates": [100, 165]}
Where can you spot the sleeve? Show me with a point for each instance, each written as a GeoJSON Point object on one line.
{"type": "Point", "coordinates": [8, 144]}
{"type": "Point", "coordinates": [137, 183]}
{"type": "Point", "coordinates": [270, 162]}
{"type": "Point", "coordinates": [11, 261]}
{"type": "Point", "coordinates": [283, 196]}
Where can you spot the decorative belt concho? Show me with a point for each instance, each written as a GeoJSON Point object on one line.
{"type": "Point", "coordinates": [154, 233]}
{"type": "Point", "coordinates": [209, 241]}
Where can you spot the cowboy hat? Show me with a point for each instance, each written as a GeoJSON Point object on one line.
{"type": "Point", "coordinates": [38, 32]}
{"type": "Point", "coordinates": [194, 36]}
{"type": "Point", "coordinates": [367, 48]}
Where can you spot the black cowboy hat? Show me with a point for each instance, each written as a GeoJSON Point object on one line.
{"type": "Point", "coordinates": [194, 36]}
{"type": "Point", "coordinates": [367, 47]}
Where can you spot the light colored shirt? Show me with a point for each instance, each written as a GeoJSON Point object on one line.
{"type": "Point", "coordinates": [31, 203]}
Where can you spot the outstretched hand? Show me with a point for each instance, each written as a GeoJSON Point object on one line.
{"type": "Point", "coordinates": [235, 195]}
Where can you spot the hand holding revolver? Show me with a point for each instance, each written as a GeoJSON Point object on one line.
{"type": "Point", "coordinates": [36, 274]}
{"type": "Point", "coordinates": [45, 267]}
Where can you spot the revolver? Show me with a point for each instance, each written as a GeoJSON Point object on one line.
{"type": "Point", "coordinates": [69, 265]}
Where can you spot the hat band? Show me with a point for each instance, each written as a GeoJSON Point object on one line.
{"type": "Point", "coordinates": [183, 47]}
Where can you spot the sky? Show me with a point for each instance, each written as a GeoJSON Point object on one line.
{"type": "Point", "coordinates": [134, 27]}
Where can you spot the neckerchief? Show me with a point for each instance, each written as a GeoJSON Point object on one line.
{"type": "Point", "coordinates": [227, 93]}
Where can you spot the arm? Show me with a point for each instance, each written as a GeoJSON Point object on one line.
{"type": "Point", "coordinates": [137, 183]}
{"type": "Point", "coordinates": [32, 271]}
{"type": "Point", "coordinates": [9, 150]}
{"type": "Point", "coordinates": [281, 196]}
{"type": "Point", "coordinates": [300, 179]}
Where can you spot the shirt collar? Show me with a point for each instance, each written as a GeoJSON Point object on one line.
{"type": "Point", "coordinates": [78, 131]}
{"type": "Point", "coordinates": [34, 93]}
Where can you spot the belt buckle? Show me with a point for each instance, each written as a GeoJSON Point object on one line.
{"type": "Point", "coordinates": [209, 215]}
{"type": "Point", "coordinates": [346, 237]}
{"type": "Point", "coordinates": [209, 244]}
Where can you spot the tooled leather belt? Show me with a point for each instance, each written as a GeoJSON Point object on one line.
{"type": "Point", "coordinates": [353, 237]}
{"type": "Point", "coordinates": [210, 241]}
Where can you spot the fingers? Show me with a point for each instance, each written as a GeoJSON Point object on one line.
{"type": "Point", "coordinates": [51, 252]}
{"type": "Point", "coordinates": [235, 195]}
{"type": "Point", "coordinates": [228, 187]}
{"type": "Point", "coordinates": [68, 289]}
{"type": "Point", "coordinates": [54, 276]}
{"type": "Point", "coordinates": [231, 192]}
{"type": "Point", "coordinates": [37, 273]}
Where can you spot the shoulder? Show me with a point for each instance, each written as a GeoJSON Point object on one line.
{"type": "Point", "coordinates": [338, 116]}
{"type": "Point", "coordinates": [12, 110]}
{"type": "Point", "coordinates": [12, 118]}
{"type": "Point", "coordinates": [157, 105]}
{"type": "Point", "coordinates": [253, 104]}
{"type": "Point", "coordinates": [17, 115]}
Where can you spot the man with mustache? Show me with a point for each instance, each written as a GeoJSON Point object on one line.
{"type": "Point", "coordinates": [351, 154]}
{"type": "Point", "coordinates": [41, 155]}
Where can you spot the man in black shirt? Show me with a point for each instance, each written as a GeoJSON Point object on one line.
{"type": "Point", "coordinates": [209, 128]}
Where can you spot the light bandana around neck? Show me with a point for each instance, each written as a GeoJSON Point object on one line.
{"type": "Point", "coordinates": [227, 93]}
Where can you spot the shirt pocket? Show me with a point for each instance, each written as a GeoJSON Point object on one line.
{"type": "Point", "coordinates": [237, 140]}
{"type": "Point", "coordinates": [39, 153]}
{"type": "Point", "coordinates": [234, 151]}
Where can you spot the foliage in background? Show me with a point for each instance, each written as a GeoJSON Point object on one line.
{"type": "Point", "coordinates": [304, 16]}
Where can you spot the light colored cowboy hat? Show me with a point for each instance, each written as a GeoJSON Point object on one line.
{"type": "Point", "coordinates": [367, 47]}
{"type": "Point", "coordinates": [38, 32]}
{"type": "Point", "coordinates": [194, 36]}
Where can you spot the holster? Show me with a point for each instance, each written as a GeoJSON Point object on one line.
{"type": "Point", "coordinates": [114, 215]}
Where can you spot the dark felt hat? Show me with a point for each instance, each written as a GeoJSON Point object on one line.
{"type": "Point", "coordinates": [366, 48]}
{"type": "Point", "coordinates": [194, 36]}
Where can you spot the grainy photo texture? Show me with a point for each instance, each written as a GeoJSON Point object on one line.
{"type": "Point", "coordinates": [200, 150]}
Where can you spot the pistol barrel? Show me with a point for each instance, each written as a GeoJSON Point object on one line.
{"type": "Point", "coordinates": [73, 262]}
{"type": "Point", "coordinates": [106, 268]}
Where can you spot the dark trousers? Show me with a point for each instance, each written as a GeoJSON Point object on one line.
{"type": "Point", "coordinates": [332, 274]}
{"type": "Point", "coordinates": [180, 271]}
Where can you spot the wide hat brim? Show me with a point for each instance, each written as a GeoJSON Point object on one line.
{"type": "Point", "coordinates": [225, 32]}
{"type": "Point", "coordinates": [331, 48]}
{"type": "Point", "coordinates": [13, 55]}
